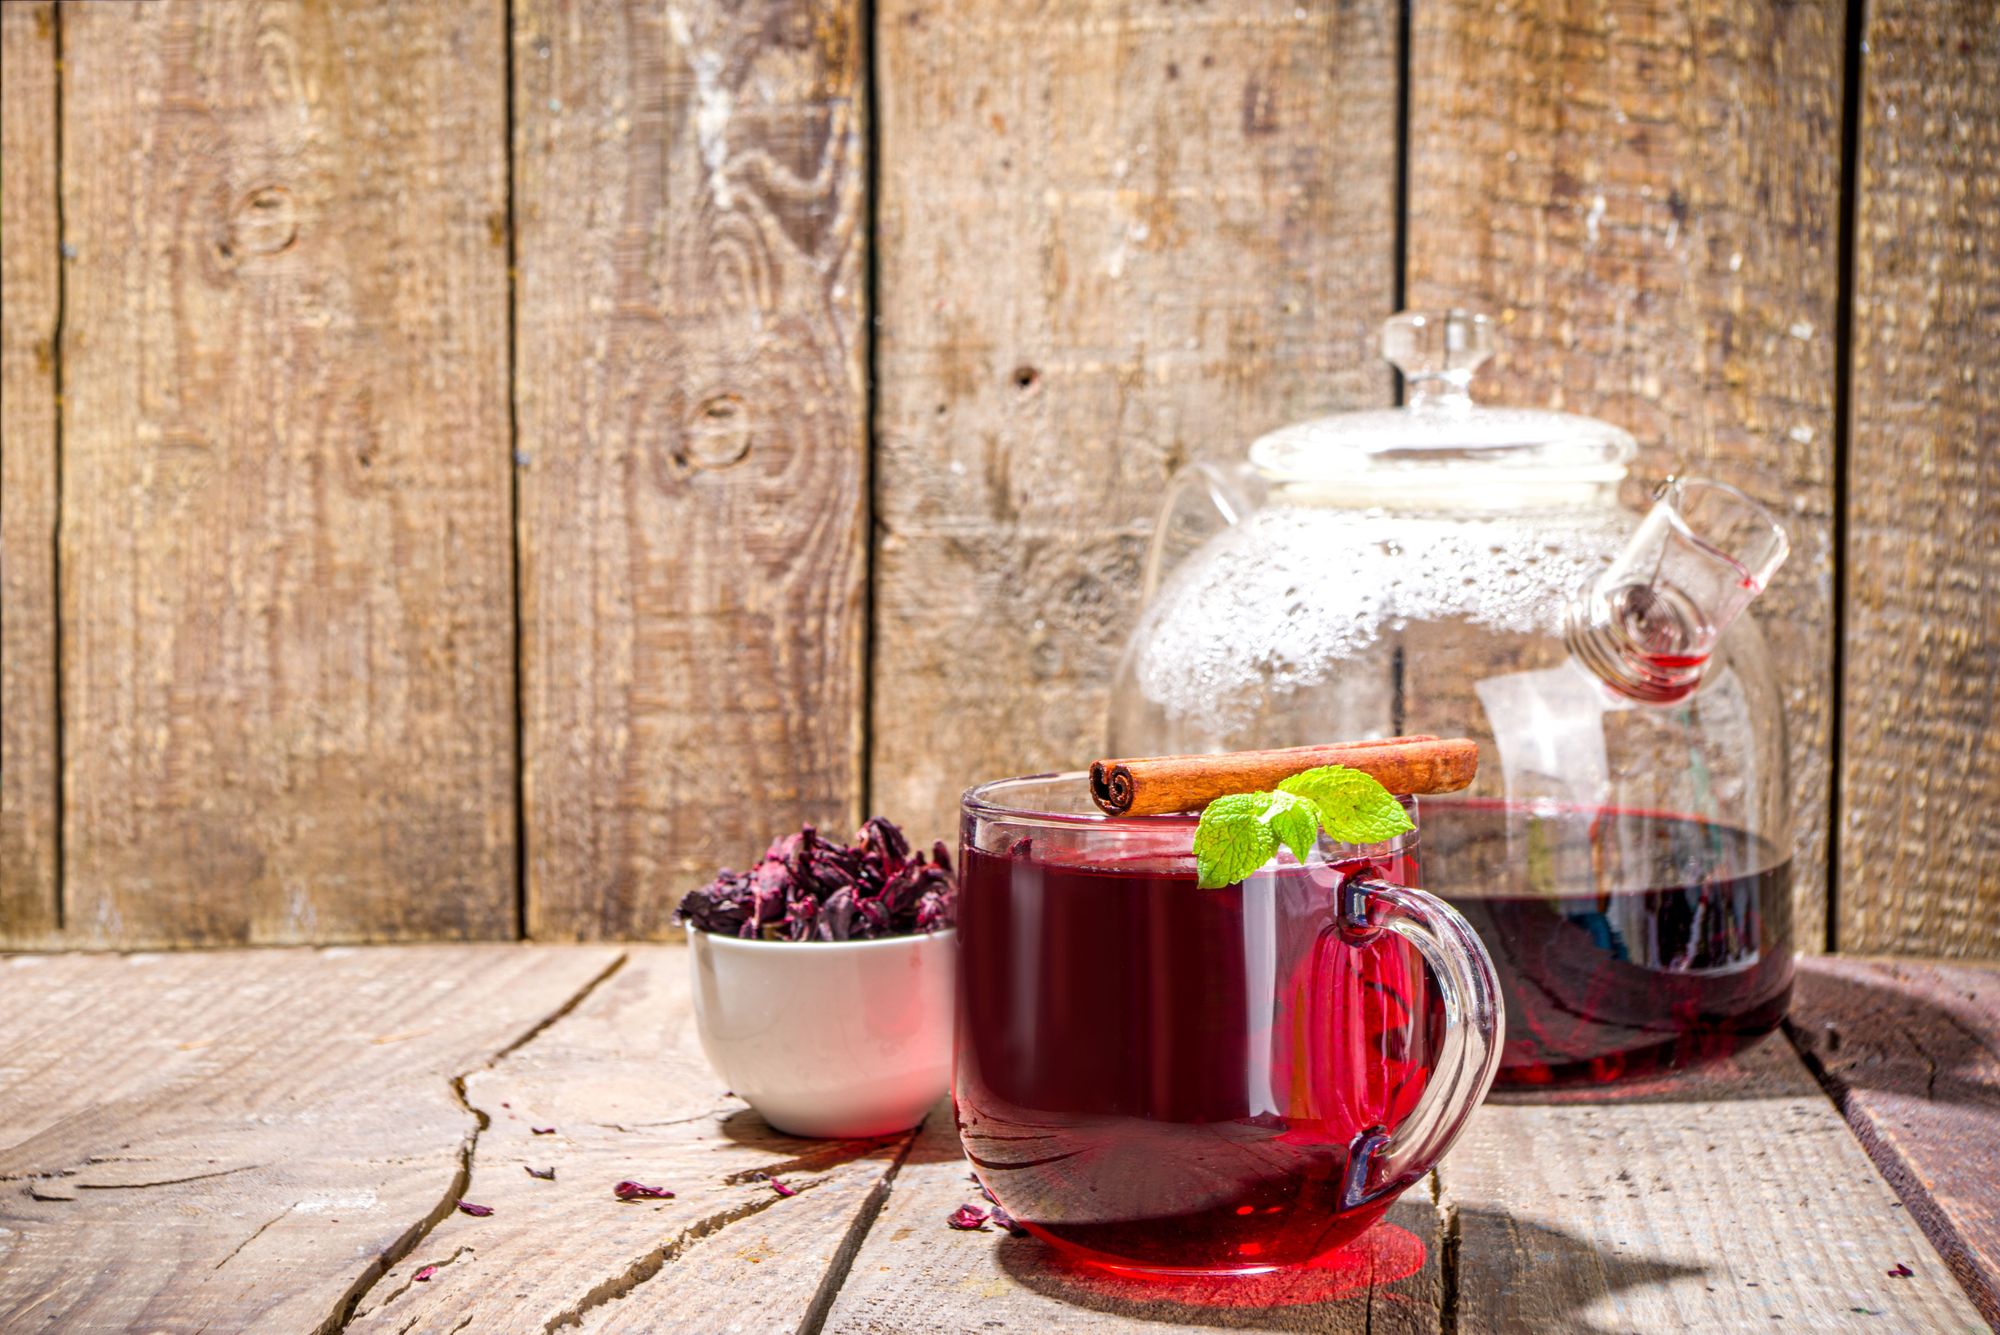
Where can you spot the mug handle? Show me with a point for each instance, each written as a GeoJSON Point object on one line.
{"type": "Point", "coordinates": [1386, 1161]}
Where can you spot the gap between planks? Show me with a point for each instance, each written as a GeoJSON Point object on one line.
{"type": "Point", "coordinates": [1909, 1051]}
{"type": "Point", "coordinates": [455, 1191]}
{"type": "Point", "coordinates": [622, 1090]}
{"type": "Point", "coordinates": [293, 1111]}
{"type": "Point", "coordinates": [287, 1114]}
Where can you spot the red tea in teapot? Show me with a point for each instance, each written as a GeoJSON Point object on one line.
{"type": "Point", "coordinates": [1680, 955]}
{"type": "Point", "coordinates": [1161, 1076]}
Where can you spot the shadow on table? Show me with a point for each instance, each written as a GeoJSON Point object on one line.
{"type": "Point", "coordinates": [1768, 1069]}
{"type": "Point", "coordinates": [1500, 1255]}
{"type": "Point", "coordinates": [937, 1139]}
{"type": "Point", "coordinates": [1864, 1034]}
{"type": "Point", "coordinates": [746, 1126]}
{"type": "Point", "coordinates": [1869, 1034]}
{"type": "Point", "coordinates": [1370, 1272]}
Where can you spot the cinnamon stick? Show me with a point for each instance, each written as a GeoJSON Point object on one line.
{"type": "Point", "coordinates": [1156, 785]}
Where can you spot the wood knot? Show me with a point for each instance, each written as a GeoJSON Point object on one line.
{"type": "Point", "coordinates": [263, 222]}
{"type": "Point", "coordinates": [718, 433]}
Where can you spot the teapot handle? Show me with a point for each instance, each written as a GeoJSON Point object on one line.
{"type": "Point", "coordinates": [1199, 495]}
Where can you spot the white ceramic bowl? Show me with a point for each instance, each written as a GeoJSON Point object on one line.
{"type": "Point", "coordinates": [829, 1038]}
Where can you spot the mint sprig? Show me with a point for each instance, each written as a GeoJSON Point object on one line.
{"type": "Point", "coordinates": [1241, 832]}
{"type": "Point", "coordinates": [1353, 807]}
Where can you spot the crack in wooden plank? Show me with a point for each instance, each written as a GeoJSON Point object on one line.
{"type": "Point", "coordinates": [832, 1154]}
{"type": "Point", "coordinates": [57, 1174]}
{"type": "Point", "coordinates": [1902, 1176]}
{"type": "Point", "coordinates": [254, 1236]}
{"type": "Point", "coordinates": [40, 1176]}
{"type": "Point", "coordinates": [345, 1308]}
{"type": "Point", "coordinates": [165, 1182]}
{"type": "Point", "coordinates": [1930, 1063]}
{"type": "Point", "coordinates": [1448, 1243]}
{"type": "Point", "coordinates": [1368, 1308]}
{"type": "Point", "coordinates": [655, 1259]}
{"type": "Point", "coordinates": [407, 1241]}
{"type": "Point", "coordinates": [410, 1283]}
{"type": "Point", "coordinates": [842, 1261]}
{"type": "Point", "coordinates": [411, 1324]}
{"type": "Point", "coordinates": [559, 1013]}
{"type": "Point", "coordinates": [629, 1127]}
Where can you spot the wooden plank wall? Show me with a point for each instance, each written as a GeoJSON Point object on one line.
{"type": "Point", "coordinates": [1920, 770]}
{"type": "Point", "coordinates": [693, 445]}
{"type": "Point", "coordinates": [412, 533]}
{"type": "Point", "coordinates": [286, 607]}
{"type": "Point", "coordinates": [30, 308]}
{"type": "Point", "coordinates": [1113, 237]}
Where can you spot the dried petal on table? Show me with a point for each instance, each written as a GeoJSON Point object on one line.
{"type": "Point", "coordinates": [639, 1191]}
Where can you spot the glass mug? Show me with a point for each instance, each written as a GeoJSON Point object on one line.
{"type": "Point", "coordinates": [1160, 1078]}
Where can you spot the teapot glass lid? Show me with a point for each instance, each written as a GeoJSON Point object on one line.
{"type": "Point", "coordinates": [1442, 431]}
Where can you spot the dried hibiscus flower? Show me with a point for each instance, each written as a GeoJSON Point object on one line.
{"type": "Point", "coordinates": [476, 1211]}
{"type": "Point", "coordinates": [639, 1191]}
{"type": "Point", "coordinates": [782, 1189]}
{"type": "Point", "coordinates": [1001, 1219]}
{"type": "Point", "coordinates": [543, 1130]}
{"type": "Point", "coordinates": [545, 1174]}
{"type": "Point", "coordinates": [424, 1276]}
{"type": "Point", "coordinates": [967, 1217]}
{"type": "Point", "coordinates": [809, 889]}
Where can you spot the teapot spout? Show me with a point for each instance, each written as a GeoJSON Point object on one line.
{"type": "Point", "coordinates": [1650, 622]}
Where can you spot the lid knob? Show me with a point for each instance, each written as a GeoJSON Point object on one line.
{"type": "Point", "coordinates": [1437, 353]}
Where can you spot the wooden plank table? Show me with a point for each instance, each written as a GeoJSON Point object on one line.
{"type": "Point", "coordinates": [281, 1139]}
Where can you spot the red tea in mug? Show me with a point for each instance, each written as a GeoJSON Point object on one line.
{"type": "Point", "coordinates": [1163, 1077]}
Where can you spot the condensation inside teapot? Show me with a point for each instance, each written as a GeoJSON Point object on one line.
{"type": "Point", "coordinates": [1458, 570]}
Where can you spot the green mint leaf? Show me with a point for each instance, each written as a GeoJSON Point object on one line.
{"type": "Point", "coordinates": [1294, 820]}
{"type": "Point", "coordinates": [1232, 840]}
{"type": "Point", "coordinates": [1353, 807]}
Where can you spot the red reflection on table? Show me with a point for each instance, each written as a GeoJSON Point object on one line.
{"type": "Point", "coordinates": [1382, 1255]}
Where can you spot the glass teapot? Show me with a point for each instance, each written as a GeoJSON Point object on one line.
{"type": "Point", "coordinates": [1454, 569]}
